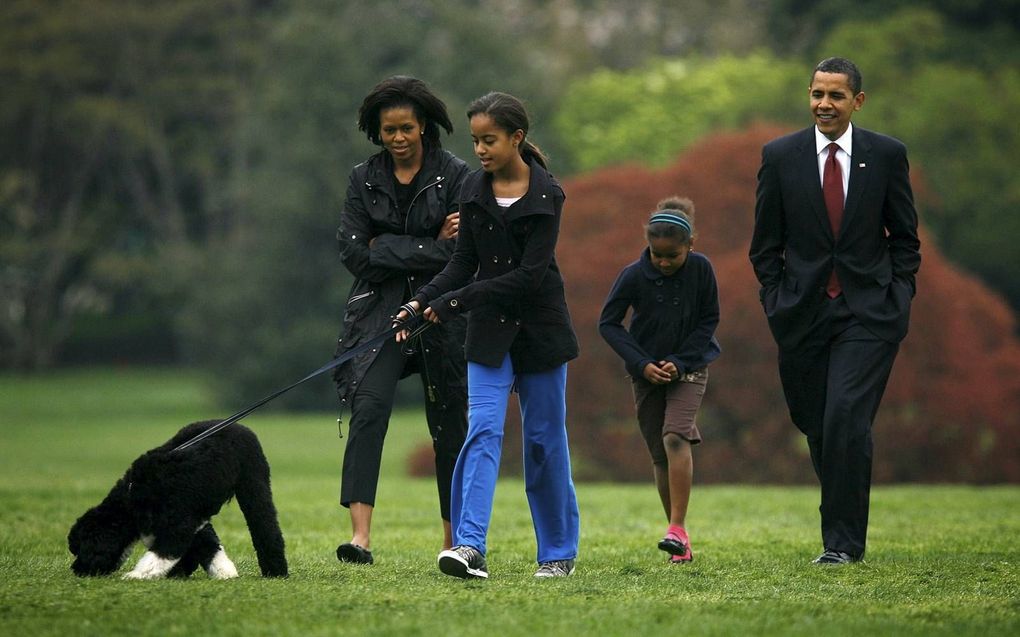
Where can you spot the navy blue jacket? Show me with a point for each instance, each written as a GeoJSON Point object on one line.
{"type": "Point", "coordinates": [674, 317]}
{"type": "Point", "coordinates": [516, 302]}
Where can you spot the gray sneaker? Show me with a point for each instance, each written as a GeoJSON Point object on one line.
{"type": "Point", "coordinates": [465, 562]}
{"type": "Point", "coordinates": [557, 568]}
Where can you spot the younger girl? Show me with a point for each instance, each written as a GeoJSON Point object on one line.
{"type": "Point", "coordinates": [504, 273]}
{"type": "Point", "coordinates": [667, 349]}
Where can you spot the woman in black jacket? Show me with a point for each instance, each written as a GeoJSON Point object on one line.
{"type": "Point", "coordinates": [398, 228]}
{"type": "Point", "coordinates": [519, 337]}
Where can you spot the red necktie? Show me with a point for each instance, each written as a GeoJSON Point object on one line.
{"type": "Point", "coordinates": [832, 190]}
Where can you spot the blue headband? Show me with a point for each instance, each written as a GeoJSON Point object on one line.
{"type": "Point", "coordinates": [669, 217]}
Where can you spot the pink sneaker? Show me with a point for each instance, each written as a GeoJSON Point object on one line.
{"type": "Point", "coordinates": [686, 558]}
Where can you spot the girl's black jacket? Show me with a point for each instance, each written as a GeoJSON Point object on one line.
{"type": "Point", "coordinates": [391, 256]}
{"type": "Point", "coordinates": [516, 302]}
{"type": "Point", "coordinates": [674, 317]}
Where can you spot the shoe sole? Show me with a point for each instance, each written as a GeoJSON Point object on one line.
{"type": "Point", "coordinates": [549, 575]}
{"type": "Point", "coordinates": [454, 566]}
{"type": "Point", "coordinates": [673, 547]}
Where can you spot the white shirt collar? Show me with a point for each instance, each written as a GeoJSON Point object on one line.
{"type": "Point", "coordinates": [845, 141]}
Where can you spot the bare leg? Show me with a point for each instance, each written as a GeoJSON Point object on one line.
{"type": "Point", "coordinates": [361, 524]}
{"type": "Point", "coordinates": [681, 476]}
{"type": "Point", "coordinates": [662, 486]}
{"type": "Point", "coordinates": [447, 535]}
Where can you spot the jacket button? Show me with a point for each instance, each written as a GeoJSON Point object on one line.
{"type": "Point", "coordinates": [517, 322]}
{"type": "Point", "coordinates": [659, 298]}
{"type": "Point", "coordinates": [420, 246]}
{"type": "Point", "coordinates": [509, 260]}
{"type": "Point", "coordinates": [658, 282]}
{"type": "Point", "coordinates": [412, 277]}
{"type": "Point", "coordinates": [454, 303]}
{"type": "Point", "coordinates": [676, 300]}
{"type": "Point", "coordinates": [490, 226]}
{"type": "Point", "coordinates": [502, 319]}
{"type": "Point", "coordinates": [495, 259]}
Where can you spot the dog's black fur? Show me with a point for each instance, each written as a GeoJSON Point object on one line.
{"type": "Point", "coordinates": [171, 496]}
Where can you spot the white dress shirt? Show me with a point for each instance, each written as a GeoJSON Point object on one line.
{"type": "Point", "coordinates": [845, 143]}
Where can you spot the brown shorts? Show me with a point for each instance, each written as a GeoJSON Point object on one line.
{"type": "Point", "coordinates": [669, 409]}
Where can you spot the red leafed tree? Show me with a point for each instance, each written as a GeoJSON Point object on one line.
{"type": "Point", "coordinates": [952, 408]}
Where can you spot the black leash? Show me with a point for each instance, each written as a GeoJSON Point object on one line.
{"type": "Point", "coordinates": [336, 362]}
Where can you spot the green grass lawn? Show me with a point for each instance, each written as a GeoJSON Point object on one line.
{"type": "Point", "coordinates": [942, 560]}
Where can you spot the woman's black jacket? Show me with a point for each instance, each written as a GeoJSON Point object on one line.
{"type": "Point", "coordinates": [516, 301]}
{"type": "Point", "coordinates": [390, 257]}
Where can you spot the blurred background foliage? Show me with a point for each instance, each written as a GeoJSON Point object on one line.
{"type": "Point", "coordinates": [171, 174]}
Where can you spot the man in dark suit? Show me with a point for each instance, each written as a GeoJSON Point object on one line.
{"type": "Point", "coordinates": [835, 250]}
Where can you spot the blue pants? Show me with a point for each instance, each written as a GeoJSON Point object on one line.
{"type": "Point", "coordinates": [547, 478]}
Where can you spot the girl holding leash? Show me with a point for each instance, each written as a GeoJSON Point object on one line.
{"type": "Point", "coordinates": [519, 338]}
{"type": "Point", "coordinates": [397, 229]}
{"type": "Point", "coordinates": [674, 299]}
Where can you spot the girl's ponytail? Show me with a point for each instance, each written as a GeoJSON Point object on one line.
{"type": "Point", "coordinates": [531, 150]}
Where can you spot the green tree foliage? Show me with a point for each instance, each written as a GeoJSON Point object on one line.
{"type": "Point", "coordinates": [653, 114]}
{"type": "Point", "coordinates": [116, 119]}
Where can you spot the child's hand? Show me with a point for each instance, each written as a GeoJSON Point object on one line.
{"type": "Point", "coordinates": [450, 227]}
{"type": "Point", "coordinates": [670, 369]}
{"type": "Point", "coordinates": [656, 375]}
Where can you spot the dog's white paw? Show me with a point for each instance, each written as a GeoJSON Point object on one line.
{"type": "Point", "coordinates": [221, 567]}
{"type": "Point", "coordinates": [151, 566]}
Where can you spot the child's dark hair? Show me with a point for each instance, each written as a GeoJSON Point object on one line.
{"type": "Point", "coordinates": [508, 113]}
{"type": "Point", "coordinates": [404, 91]}
{"type": "Point", "coordinates": [673, 218]}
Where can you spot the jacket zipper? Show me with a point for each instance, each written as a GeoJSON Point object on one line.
{"type": "Point", "coordinates": [358, 297]}
{"type": "Point", "coordinates": [410, 290]}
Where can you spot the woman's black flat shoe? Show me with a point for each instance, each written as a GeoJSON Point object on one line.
{"type": "Point", "coordinates": [354, 554]}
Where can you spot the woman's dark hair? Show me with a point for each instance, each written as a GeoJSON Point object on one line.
{"type": "Point", "coordinates": [403, 91]}
{"type": "Point", "coordinates": [509, 114]}
{"type": "Point", "coordinates": [672, 206]}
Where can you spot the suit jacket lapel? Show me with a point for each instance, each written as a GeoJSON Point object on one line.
{"type": "Point", "coordinates": [807, 167]}
{"type": "Point", "coordinates": [859, 174]}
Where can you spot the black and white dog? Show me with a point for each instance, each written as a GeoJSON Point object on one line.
{"type": "Point", "coordinates": [166, 500]}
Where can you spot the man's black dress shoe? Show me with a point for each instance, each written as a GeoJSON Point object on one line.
{"type": "Point", "coordinates": [831, 556]}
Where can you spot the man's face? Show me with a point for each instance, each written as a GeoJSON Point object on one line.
{"type": "Point", "coordinates": [833, 103]}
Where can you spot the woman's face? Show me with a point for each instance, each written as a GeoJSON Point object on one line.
{"type": "Point", "coordinates": [401, 133]}
{"type": "Point", "coordinates": [494, 147]}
